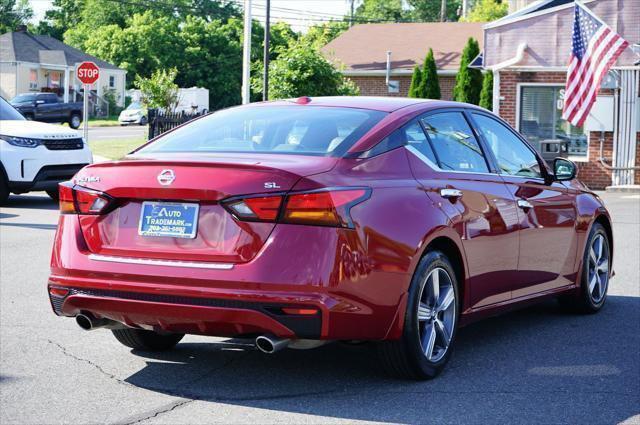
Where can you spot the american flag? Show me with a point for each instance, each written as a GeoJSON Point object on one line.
{"type": "Point", "coordinates": [594, 48]}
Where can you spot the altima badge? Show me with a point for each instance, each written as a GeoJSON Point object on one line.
{"type": "Point", "coordinates": [166, 177]}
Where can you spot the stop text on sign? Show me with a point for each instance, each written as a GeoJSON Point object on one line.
{"type": "Point", "coordinates": [87, 72]}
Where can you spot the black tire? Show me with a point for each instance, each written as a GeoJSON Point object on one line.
{"type": "Point", "coordinates": [54, 194]}
{"type": "Point", "coordinates": [140, 339]}
{"type": "Point", "coordinates": [4, 189]}
{"type": "Point", "coordinates": [143, 120]}
{"type": "Point", "coordinates": [405, 357]}
{"type": "Point", "coordinates": [584, 301]}
{"type": "Point", "coordinates": [74, 120]}
{"type": "Point", "coordinates": [28, 117]}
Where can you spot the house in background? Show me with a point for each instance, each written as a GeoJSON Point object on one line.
{"type": "Point", "coordinates": [529, 52]}
{"type": "Point", "coordinates": [32, 63]}
{"type": "Point", "coordinates": [361, 53]}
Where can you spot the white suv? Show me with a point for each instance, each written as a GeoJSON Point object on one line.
{"type": "Point", "coordinates": [35, 155]}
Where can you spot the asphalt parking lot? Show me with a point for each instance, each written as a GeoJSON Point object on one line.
{"type": "Point", "coordinates": [117, 132]}
{"type": "Point", "coordinates": [539, 365]}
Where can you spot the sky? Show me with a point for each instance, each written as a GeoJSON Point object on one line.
{"type": "Point", "coordinates": [299, 13]}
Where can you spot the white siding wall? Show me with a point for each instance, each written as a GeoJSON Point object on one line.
{"type": "Point", "coordinates": [7, 80]}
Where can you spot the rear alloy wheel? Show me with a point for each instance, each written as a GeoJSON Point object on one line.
{"type": "Point", "coordinates": [595, 273]}
{"type": "Point", "coordinates": [430, 322]}
{"type": "Point", "coordinates": [139, 339]}
{"type": "Point", "coordinates": [74, 121]}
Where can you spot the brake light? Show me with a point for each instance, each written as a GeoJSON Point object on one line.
{"type": "Point", "coordinates": [80, 200]}
{"type": "Point", "coordinates": [320, 207]}
{"type": "Point", "coordinates": [328, 208]}
{"type": "Point", "coordinates": [264, 208]}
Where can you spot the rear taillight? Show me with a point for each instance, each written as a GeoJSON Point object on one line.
{"type": "Point", "coordinates": [319, 207]}
{"type": "Point", "coordinates": [80, 200]}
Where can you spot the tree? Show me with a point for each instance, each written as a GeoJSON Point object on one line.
{"type": "Point", "coordinates": [319, 35]}
{"type": "Point", "coordinates": [380, 10]}
{"type": "Point", "coordinates": [429, 87]}
{"type": "Point", "coordinates": [486, 95]}
{"type": "Point", "coordinates": [64, 14]}
{"type": "Point", "coordinates": [429, 10]}
{"type": "Point", "coordinates": [468, 81]}
{"type": "Point", "coordinates": [487, 10]}
{"type": "Point", "coordinates": [14, 14]}
{"type": "Point", "coordinates": [160, 90]}
{"type": "Point", "coordinates": [301, 71]}
{"type": "Point", "coordinates": [149, 42]}
{"type": "Point", "coordinates": [416, 79]}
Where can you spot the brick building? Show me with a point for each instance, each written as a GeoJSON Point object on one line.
{"type": "Point", "coordinates": [528, 52]}
{"type": "Point", "coordinates": [361, 53]}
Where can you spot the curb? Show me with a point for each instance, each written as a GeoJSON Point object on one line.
{"type": "Point", "coordinates": [625, 188]}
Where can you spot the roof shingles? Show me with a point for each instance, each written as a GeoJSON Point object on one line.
{"type": "Point", "coordinates": [24, 47]}
{"type": "Point", "coordinates": [364, 47]}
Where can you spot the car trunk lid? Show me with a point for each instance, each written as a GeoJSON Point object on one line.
{"type": "Point", "coordinates": [187, 183]}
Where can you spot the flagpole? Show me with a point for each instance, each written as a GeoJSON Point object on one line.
{"type": "Point", "coordinates": [593, 15]}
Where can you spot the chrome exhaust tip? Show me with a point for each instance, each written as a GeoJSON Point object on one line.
{"type": "Point", "coordinates": [88, 322]}
{"type": "Point", "coordinates": [271, 344]}
{"type": "Point", "coordinates": [84, 322]}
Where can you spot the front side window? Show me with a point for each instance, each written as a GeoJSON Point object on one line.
{"type": "Point", "coordinates": [541, 120]}
{"type": "Point", "coordinates": [514, 157]}
{"type": "Point", "coordinates": [454, 144]}
{"type": "Point", "coordinates": [310, 130]}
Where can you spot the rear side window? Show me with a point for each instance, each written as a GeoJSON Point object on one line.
{"type": "Point", "coordinates": [455, 146]}
{"type": "Point", "coordinates": [409, 135]}
{"type": "Point", "coordinates": [514, 157]}
{"type": "Point", "coordinates": [306, 130]}
{"type": "Point", "coordinates": [48, 98]}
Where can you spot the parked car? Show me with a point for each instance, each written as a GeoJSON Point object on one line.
{"type": "Point", "coordinates": [135, 113]}
{"type": "Point", "coordinates": [47, 107]}
{"type": "Point", "coordinates": [297, 223]}
{"type": "Point", "coordinates": [36, 156]}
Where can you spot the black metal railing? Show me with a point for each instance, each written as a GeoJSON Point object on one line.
{"type": "Point", "coordinates": [161, 121]}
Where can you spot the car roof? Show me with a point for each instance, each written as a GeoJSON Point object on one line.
{"type": "Point", "coordinates": [383, 104]}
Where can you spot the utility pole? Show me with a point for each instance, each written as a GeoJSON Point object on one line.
{"type": "Point", "coordinates": [246, 54]}
{"type": "Point", "coordinates": [465, 8]}
{"type": "Point", "coordinates": [443, 11]}
{"type": "Point", "coordinates": [267, 39]}
{"type": "Point", "coordinates": [352, 12]}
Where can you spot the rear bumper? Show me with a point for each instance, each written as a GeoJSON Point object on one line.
{"type": "Point", "coordinates": [350, 301]}
{"type": "Point", "coordinates": [195, 315]}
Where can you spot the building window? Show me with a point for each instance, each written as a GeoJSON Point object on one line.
{"type": "Point", "coordinates": [33, 79]}
{"type": "Point", "coordinates": [54, 79]}
{"type": "Point", "coordinates": [112, 81]}
{"type": "Point", "coordinates": [541, 120]}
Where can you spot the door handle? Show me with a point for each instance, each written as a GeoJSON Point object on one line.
{"type": "Point", "coordinates": [451, 194]}
{"type": "Point", "coordinates": [524, 204]}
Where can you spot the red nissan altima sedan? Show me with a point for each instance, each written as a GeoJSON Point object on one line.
{"type": "Point", "coordinates": [301, 222]}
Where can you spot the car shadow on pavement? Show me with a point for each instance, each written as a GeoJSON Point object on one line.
{"type": "Point", "coordinates": [31, 225]}
{"type": "Point", "coordinates": [581, 368]}
{"type": "Point", "coordinates": [39, 202]}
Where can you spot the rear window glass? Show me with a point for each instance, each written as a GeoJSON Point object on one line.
{"type": "Point", "coordinates": [307, 130]}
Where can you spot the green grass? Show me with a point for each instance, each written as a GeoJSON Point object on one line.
{"type": "Point", "coordinates": [110, 121]}
{"type": "Point", "coordinates": [115, 149]}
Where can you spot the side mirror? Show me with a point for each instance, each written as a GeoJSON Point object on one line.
{"type": "Point", "coordinates": [563, 169]}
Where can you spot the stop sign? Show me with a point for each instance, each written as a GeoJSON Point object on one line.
{"type": "Point", "coordinates": [87, 72]}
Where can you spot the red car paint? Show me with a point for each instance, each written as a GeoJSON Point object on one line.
{"type": "Point", "coordinates": [352, 282]}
